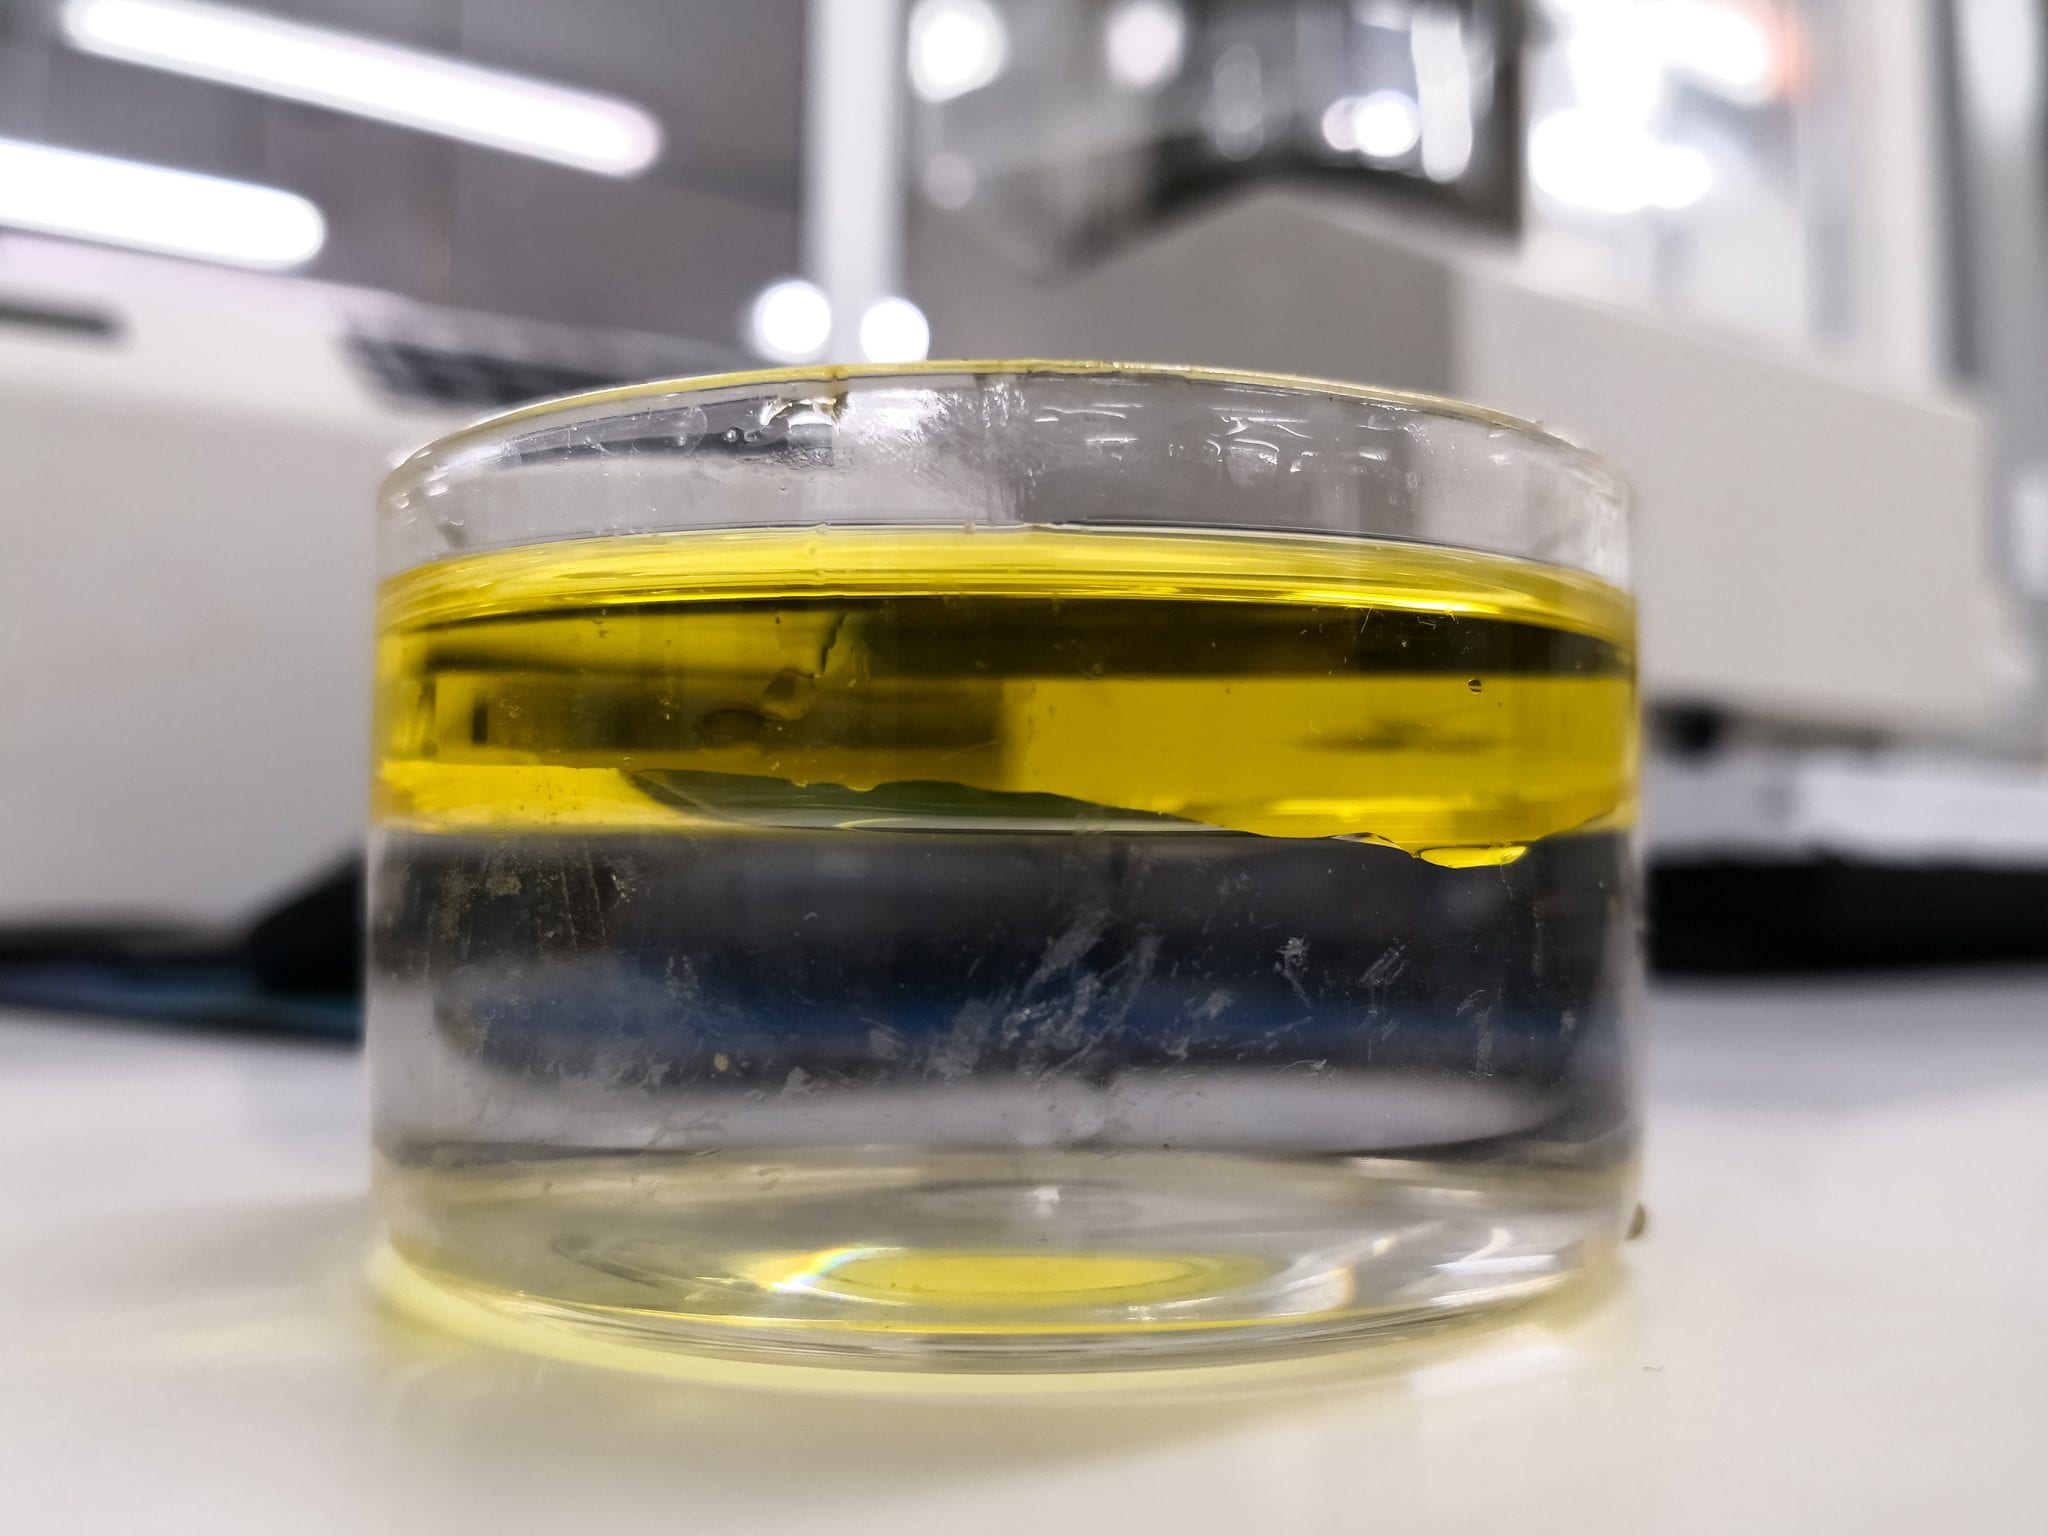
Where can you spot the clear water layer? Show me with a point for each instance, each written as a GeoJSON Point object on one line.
{"type": "Point", "coordinates": [1009, 1098]}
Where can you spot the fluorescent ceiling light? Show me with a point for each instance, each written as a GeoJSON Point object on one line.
{"type": "Point", "coordinates": [346, 73]}
{"type": "Point", "coordinates": [154, 208]}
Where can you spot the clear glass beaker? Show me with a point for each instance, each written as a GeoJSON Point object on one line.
{"type": "Point", "coordinates": [1002, 864]}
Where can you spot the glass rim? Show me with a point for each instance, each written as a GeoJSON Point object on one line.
{"type": "Point", "coordinates": [450, 448]}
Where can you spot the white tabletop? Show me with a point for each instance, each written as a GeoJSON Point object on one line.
{"type": "Point", "coordinates": [1837, 1321]}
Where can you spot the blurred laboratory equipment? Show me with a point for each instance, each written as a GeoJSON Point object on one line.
{"type": "Point", "coordinates": [248, 260]}
{"type": "Point", "coordinates": [1780, 258]}
{"type": "Point", "coordinates": [1676, 280]}
{"type": "Point", "coordinates": [1771, 255]}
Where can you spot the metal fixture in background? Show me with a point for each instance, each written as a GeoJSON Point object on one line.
{"type": "Point", "coordinates": [1069, 127]}
{"type": "Point", "coordinates": [853, 168]}
{"type": "Point", "coordinates": [1997, 56]}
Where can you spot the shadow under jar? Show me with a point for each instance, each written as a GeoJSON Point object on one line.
{"type": "Point", "coordinates": [1002, 865]}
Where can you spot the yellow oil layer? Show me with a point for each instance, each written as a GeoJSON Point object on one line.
{"type": "Point", "coordinates": [1455, 704]}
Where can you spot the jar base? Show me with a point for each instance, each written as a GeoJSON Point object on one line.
{"type": "Point", "coordinates": [991, 1260]}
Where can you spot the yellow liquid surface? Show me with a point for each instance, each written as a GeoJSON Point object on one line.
{"type": "Point", "coordinates": [1457, 705]}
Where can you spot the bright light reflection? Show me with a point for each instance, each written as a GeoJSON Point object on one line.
{"type": "Point", "coordinates": [344, 72]}
{"type": "Point", "coordinates": [1443, 92]}
{"type": "Point", "coordinates": [1386, 125]}
{"type": "Point", "coordinates": [1144, 42]}
{"type": "Point", "coordinates": [790, 321]}
{"type": "Point", "coordinates": [1337, 130]}
{"type": "Point", "coordinates": [1719, 45]}
{"type": "Point", "coordinates": [155, 208]}
{"type": "Point", "coordinates": [1590, 162]}
{"type": "Point", "coordinates": [956, 46]}
{"type": "Point", "coordinates": [894, 330]}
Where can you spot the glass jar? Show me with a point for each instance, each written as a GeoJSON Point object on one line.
{"type": "Point", "coordinates": [1003, 865]}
